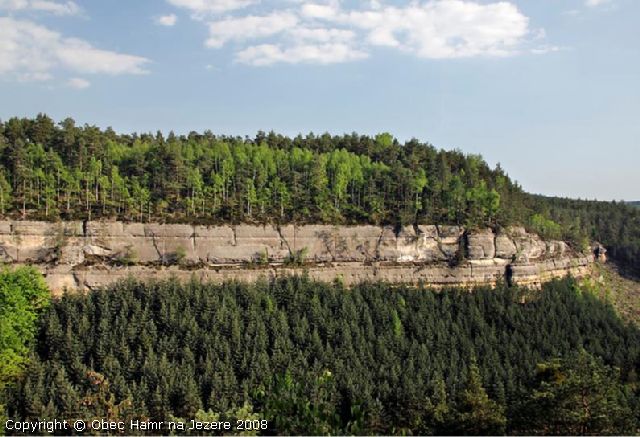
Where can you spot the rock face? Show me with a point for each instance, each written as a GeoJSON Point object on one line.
{"type": "Point", "coordinates": [481, 245]}
{"type": "Point", "coordinates": [77, 255]}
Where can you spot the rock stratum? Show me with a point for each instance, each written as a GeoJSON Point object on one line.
{"type": "Point", "coordinates": [85, 255]}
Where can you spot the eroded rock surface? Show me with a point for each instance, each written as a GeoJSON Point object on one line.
{"type": "Point", "coordinates": [79, 255]}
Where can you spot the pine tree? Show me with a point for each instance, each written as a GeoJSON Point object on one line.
{"type": "Point", "coordinates": [476, 413]}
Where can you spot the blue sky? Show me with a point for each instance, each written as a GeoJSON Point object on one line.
{"type": "Point", "coordinates": [548, 88]}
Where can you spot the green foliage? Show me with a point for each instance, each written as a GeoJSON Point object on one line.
{"type": "Point", "coordinates": [256, 423]}
{"type": "Point", "coordinates": [82, 172]}
{"type": "Point", "coordinates": [294, 409]}
{"type": "Point", "coordinates": [614, 224]}
{"type": "Point", "coordinates": [127, 257]}
{"type": "Point", "coordinates": [314, 358]}
{"type": "Point", "coordinates": [263, 257]}
{"type": "Point", "coordinates": [297, 258]}
{"type": "Point", "coordinates": [483, 204]}
{"type": "Point", "coordinates": [23, 294]}
{"type": "Point", "coordinates": [179, 256]}
{"type": "Point", "coordinates": [476, 413]}
{"type": "Point", "coordinates": [99, 401]}
{"type": "Point", "coordinates": [85, 173]}
{"type": "Point", "coordinates": [5, 193]}
{"type": "Point", "coordinates": [578, 395]}
{"type": "Point", "coordinates": [545, 227]}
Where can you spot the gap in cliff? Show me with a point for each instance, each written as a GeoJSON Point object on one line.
{"type": "Point", "coordinates": [508, 275]}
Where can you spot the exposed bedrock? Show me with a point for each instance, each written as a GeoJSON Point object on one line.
{"type": "Point", "coordinates": [79, 255]}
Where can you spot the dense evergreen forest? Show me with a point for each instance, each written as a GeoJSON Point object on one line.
{"type": "Point", "coordinates": [315, 358]}
{"type": "Point", "coordinates": [63, 171]}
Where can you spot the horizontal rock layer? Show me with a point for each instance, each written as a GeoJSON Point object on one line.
{"type": "Point", "coordinates": [84, 255]}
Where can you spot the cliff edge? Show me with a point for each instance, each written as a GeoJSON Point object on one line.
{"type": "Point", "coordinates": [85, 255]}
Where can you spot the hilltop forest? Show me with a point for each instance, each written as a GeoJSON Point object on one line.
{"type": "Point", "coordinates": [62, 171]}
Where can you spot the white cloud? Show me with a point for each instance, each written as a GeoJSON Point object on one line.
{"type": "Point", "coordinates": [322, 11]}
{"type": "Point", "coordinates": [434, 29]}
{"type": "Point", "coordinates": [321, 34]}
{"type": "Point", "coordinates": [596, 3]}
{"type": "Point", "coordinates": [249, 27]}
{"type": "Point", "coordinates": [167, 20]}
{"type": "Point", "coordinates": [29, 51]}
{"type": "Point", "coordinates": [78, 83]}
{"type": "Point", "coordinates": [445, 29]}
{"type": "Point", "coordinates": [201, 8]}
{"type": "Point", "coordinates": [54, 7]}
{"type": "Point", "coordinates": [268, 54]}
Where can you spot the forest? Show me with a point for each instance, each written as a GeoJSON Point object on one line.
{"type": "Point", "coordinates": [316, 358]}
{"type": "Point", "coordinates": [62, 171]}
{"type": "Point", "coordinates": [23, 298]}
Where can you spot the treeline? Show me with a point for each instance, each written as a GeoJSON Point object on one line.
{"type": "Point", "coordinates": [314, 358]}
{"type": "Point", "coordinates": [614, 224]}
{"type": "Point", "coordinates": [64, 171]}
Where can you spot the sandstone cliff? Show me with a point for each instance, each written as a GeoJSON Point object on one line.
{"type": "Point", "coordinates": [84, 255]}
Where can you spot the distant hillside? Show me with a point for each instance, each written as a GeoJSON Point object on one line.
{"type": "Point", "coordinates": [623, 293]}
{"type": "Point", "coordinates": [636, 204]}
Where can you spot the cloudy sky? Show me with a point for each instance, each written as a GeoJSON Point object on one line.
{"type": "Point", "coordinates": [548, 88]}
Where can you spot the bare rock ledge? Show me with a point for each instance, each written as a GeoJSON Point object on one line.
{"type": "Point", "coordinates": [85, 255]}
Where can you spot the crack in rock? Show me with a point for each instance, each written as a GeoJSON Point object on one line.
{"type": "Point", "coordinates": [152, 234]}
{"type": "Point", "coordinates": [5, 254]}
{"type": "Point", "coordinates": [283, 241]}
{"type": "Point", "coordinates": [378, 256]}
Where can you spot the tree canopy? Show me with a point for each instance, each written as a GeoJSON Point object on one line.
{"type": "Point", "coordinates": [315, 358]}
{"type": "Point", "coordinates": [23, 295]}
{"type": "Point", "coordinates": [62, 171]}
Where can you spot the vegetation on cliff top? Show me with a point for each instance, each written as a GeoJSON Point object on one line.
{"type": "Point", "coordinates": [63, 171]}
{"type": "Point", "coordinates": [314, 358]}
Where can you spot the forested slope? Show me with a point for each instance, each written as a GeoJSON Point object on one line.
{"type": "Point", "coordinates": [63, 171]}
{"type": "Point", "coordinates": [314, 358]}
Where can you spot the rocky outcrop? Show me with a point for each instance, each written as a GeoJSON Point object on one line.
{"type": "Point", "coordinates": [481, 245]}
{"type": "Point", "coordinates": [77, 255]}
